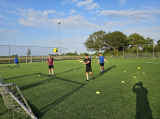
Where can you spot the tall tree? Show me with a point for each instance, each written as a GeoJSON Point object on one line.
{"type": "Point", "coordinates": [115, 39]}
{"type": "Point", "coordinates": [28, 52]}
{"type": "Point", "coordinates": [95, 42]}
{"type": "Point", "coordinates": [147, 46]}
{"type": "Point", "coordinates": [135, 39]}
{"type": "Point", "coordinates": [76, 53]}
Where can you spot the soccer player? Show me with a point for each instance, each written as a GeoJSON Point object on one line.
{"type": "Point", "coordinates": [88, 66]}
{"type": "Point", "coordinates": [16, 62]}
{"type": "Point", "coordinates": [101, 59]}
{"type": "Point", "coordinates": [50, 62]}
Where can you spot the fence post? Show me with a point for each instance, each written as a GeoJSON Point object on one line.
{"type": "Point", "coordinates": [31, 58]}
{"type": "Point", "coordinates": [68, 53]}
{"type": "Point", "coordinates": [44, 51]}
{"type": "Point", "coordinates": [123, 51]}
{"type": "Point", "coordinates": [19, 59]}
{"type": "Point", "coordinates": [42, 58]}
{"type": "Point", "coordinates": [26, 59]}
{"type": "Point", "coordinates": [9, 53]}
{"type": "Point", "coordinates": [153, 49]}
{"type": "Point", "coordinates": [137, 51]}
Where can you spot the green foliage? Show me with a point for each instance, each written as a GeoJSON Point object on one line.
{"type": "Point", "coordinates": [28, 52]}
{"type": "Point", "coordinates": [115, 39]}
{"type": "Point", "coordinates": [95, 42]}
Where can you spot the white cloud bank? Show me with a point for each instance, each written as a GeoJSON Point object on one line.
{"type": "Point", "coordinates": [130, 13]}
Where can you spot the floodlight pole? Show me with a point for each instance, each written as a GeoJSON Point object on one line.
{"type": "Point", "coordinates": [59, 40]}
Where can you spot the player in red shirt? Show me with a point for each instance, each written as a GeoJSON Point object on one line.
{"type": "Point", "coordinates": [50, 62]}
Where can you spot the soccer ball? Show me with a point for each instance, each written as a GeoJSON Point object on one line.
{"type": "Point", "coordinates": [55, 50]}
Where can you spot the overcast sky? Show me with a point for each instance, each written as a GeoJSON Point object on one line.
{"type": "Point", "coordinates": [35, 22]}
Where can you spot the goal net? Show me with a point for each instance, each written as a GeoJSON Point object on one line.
{"type": "Point", "coordinates": [13, 105]}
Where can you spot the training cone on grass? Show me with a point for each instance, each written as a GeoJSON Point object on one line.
{"type": "Point", "coordinates": [139, 67]}
{"type": "Point", "coordinates": [134, 77]}
{"type": "Point", "coordinates": [143, 72]}
{"type": "Point", "coordinates": [122, 81]}
{"type": "Point", "coordinates": [124, 71]}
{"type": "Point", "coordinates": [39, 75]}
{"type": "Point", "coordinates": [97, 92]}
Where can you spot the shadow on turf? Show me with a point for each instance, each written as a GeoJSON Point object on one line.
{"type": "Point", "coordinates": [40, 113]}
{"type": "Point", "coordinates": [106, 70]}
{"type": "Point", "coordinates": [70, 70]}
{"type": "Point", "coordinates": [143, 110]}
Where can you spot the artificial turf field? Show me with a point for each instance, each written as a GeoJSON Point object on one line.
{"type": "Point", "coordinates": [68, 96]}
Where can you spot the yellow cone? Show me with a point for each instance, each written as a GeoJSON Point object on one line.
{"type": "Point", "coordinates": [97, 92]}
{"type": "Point", "coordinates": [143, 72]}
{"type": "Point", "coordinates": [138, 67]}
{"type": "Point", "coordinates": [134, 77]}
{"type": "Point", "coordinates": [124, 71]}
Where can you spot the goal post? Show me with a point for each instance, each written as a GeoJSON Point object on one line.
{"type": "Point", "coordinates": [14, 101]}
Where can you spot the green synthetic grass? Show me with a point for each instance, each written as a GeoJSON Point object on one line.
{"type": "Point", "coordinates": [68, 96]}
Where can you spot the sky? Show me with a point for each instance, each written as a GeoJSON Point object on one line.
{"type": "Point", "coordinates": [35, 22]}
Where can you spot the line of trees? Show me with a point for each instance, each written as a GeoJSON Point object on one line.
{"type": "Point", "coordinates": [113, 43]}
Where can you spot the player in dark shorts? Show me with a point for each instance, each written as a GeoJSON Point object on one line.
{"type": "Point", "coordinates": [88, 66]}
{"type": "Point", "coordinates": [16, 62]}
{"type": "Point", "coordinates": [50, 63]}
{"type": "Point", "coordinates": [101, 59]}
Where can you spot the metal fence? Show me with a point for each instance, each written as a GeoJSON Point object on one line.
{"type": "Point", "coordinates": [30, 53]}
{"type": "Point", "coordinates": [136, 55]}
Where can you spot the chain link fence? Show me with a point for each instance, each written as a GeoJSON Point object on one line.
{"type": "Point", "coordinates": [26, 54]}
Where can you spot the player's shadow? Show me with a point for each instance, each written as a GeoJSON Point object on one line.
{"type": "Point", "coordinates": [40, 113]}
{"type": "Point", "coordinates": [143, 110]}
{"type": "Point", "coordinates": [36, 84]}
{"type": "Point", "coordinates": [106, 70]}
{"type": "Point", "coordinates": [69, 70]}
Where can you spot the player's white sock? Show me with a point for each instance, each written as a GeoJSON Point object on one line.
{"type": "Point", "coordinates": [101, 70]}
{"type": "Point", "coordinates": [87, 79]}
{"type": "Point", "coordinates": [49, 73]}
{"type": "Point", "coordinates": [52, 73]}
{"type": "Point", "coordinates": [92, 76]}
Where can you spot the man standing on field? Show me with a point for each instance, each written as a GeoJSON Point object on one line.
{"type": "Point", "coordinates": [50, 62]}
{"type": "Point", "coordinates": [88, 66]}
{"type": "Point", "coordinates": [16, 62]}
{"type": "Point", "coordinates": [101, 59]}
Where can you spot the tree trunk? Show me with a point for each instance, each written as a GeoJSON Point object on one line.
{"type": "Point", "coordinates": [114, 49]}
{"type": "Point", "coordinates": [98, 52]}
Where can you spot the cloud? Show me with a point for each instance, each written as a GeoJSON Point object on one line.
{"type": "Point", "coordinates": [41, 19]}
{"type": "Point", "coordinates": [62, 13]}
{"type": "Point", "coordinates": [0, 16]}
{"type": "Point", "coordinates": [132, 14]}
{"type": "Point", "coordinates": [93, 6]}
{"type": "Point", "coordinates": [72, 12]}
{"type": "Point", "coordinates": [82, 3]}
{"type": "Point", "coordinates": [121, 1]}
{"type": "Point", "coordinates": [69, 1]}
{"type": "Point", "coordinates": [152, 32]}
{"type": "Point", "coordinates": [8, 32]}
{"type": "Point", "coordinates": [94, 12]}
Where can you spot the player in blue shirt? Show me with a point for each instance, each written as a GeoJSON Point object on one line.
{"type": "Point", "coordinates": [101, 60]}
{"type": "Point", "coordinates": [16, 62]}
